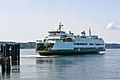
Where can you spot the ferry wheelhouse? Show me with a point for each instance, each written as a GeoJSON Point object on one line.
{"type": "Point", "coordinates": [59, 42]}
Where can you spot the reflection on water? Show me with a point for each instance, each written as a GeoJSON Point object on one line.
{"type": "Point", "coordinates": [44, 60]}
{"type": "Point", "coordinates": [78, 67]}
{"type": "Point", "coordinates": [7, 74]}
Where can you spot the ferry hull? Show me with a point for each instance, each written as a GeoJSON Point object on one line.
{"type": "Point", "coordinates": [66, 52]}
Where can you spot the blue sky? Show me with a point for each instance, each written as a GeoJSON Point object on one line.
{"type": "Point", "coordinates": [28, 20]}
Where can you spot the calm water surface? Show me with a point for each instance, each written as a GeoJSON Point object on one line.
{"type": "Point", "coordinates": [81, 67]}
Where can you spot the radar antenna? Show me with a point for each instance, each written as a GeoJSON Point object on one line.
{"type": "Point", "coordinates": [60, 25]}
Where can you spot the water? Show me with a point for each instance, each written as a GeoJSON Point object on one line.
{"type": "Point", "coordinates": [82, 67]}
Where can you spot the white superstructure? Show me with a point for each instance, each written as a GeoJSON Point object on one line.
{"type": "Point", "coordinates": [59, 40]}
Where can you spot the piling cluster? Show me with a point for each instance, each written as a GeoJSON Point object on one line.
{"type": "Point", "coordinates": [10, 55]}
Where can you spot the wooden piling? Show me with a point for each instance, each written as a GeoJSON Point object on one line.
{"type": "Point", "coordinates": [6, 51]}
{"type": "Point", "coordinates": [7, 60]}
{"type": "Point", "coordinates": [18, 53]}
{"type": "Point", "coordinates": [3, 66]}
{"type": "Point", "coordinates": [15, 54]}
{"type": "Point", "coordinates": [1, 48]}
{"type": "Point", "coordinates": [8, 66]}
{"type": "Point", "coordinates": [12, 53]}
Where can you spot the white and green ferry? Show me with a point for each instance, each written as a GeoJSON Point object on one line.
{"type": "Point", "coordinates": [59, 42]}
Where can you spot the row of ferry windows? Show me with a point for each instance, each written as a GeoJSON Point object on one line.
{"type": "Point", "coordinates": [88, 48]}
{"type": "Point", "coordinates": [86, 44]}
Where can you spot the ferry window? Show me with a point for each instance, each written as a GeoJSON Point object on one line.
{"type": "Point", "coordinates": [75, 44]}
{"type": "Point", "coordinates": [76, 48]}
{"type": "Point", "coordinates": [85, 43]}
{"type": "Point", "coordinates": [99, 44]}
{"type": "Point", "coordinates": [100, 48]}
{"type": "Point", "coordinates": [80, 43]}
{"type": "Point", "coordinates": [91, 44]}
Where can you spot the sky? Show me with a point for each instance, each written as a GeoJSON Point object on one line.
{"type": "Point", "coordinates": [29, 20]}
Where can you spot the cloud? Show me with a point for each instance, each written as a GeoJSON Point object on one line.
{"type": "Point", "coordinates": [113, 26]}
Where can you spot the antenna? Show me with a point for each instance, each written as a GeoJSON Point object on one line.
{"type": "Point", "coordinates": [60, 25]}
{"type": "Point", "coordinates": [89, 31]}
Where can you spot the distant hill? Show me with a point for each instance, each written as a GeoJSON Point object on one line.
{"type": "Point", "coordinates": [32, 45]}
{"type": "Point", "coordinates": [27, 45]}
{"type": "Point", "coordinates": [112, 46]}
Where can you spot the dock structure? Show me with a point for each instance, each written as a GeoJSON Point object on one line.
{"type": "Point", "coordinates": [9, 55]}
